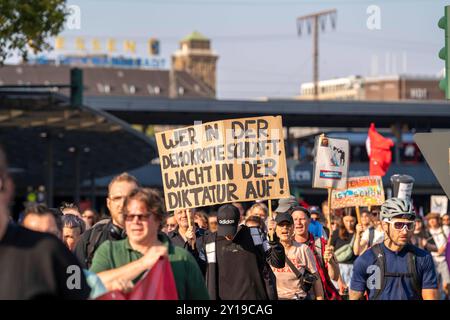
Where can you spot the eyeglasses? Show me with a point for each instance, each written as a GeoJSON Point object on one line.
{"type": "Point", "coordinates": [141, 217]}
{"type": "Point", "coordinates": [398, 225]}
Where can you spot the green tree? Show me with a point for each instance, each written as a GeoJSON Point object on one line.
{"type": "Point", "coordinates": [29, 24]}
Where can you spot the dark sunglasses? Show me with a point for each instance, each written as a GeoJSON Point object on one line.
{"type": "Point", "coordinates": [141, 217]}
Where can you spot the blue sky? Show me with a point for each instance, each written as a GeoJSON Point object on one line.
{"type": "Point", "coordinates": [260, 51]}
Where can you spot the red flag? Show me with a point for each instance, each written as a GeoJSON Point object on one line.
{"type": "Point", "coordinates": [379, 151]}
{"type": "Point", "coordinates": [157, 284]}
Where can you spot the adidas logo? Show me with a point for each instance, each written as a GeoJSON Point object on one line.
{"type": "Point", "coordinates": [229, 221]}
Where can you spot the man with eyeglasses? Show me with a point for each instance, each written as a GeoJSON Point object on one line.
{"type": "Point", "coordinates": [127, 260]}
{"type": "Point", "coordinates": [110, 229]}
{"type": "Point", "coordinates": [395, 269]}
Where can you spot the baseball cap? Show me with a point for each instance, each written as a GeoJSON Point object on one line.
{"type": "Point", "coordinates": [284, 217]}
{"type": "Point", "coordinates": [285, 204]}
{"type": "Point", "coordinates": [228, 217]}
{"type": "Point", "coordinates": [315, 209]}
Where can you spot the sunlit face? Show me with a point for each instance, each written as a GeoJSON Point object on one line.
{"type": "Point", "coordinates": [140, 224]}
{"type": "Point", "coordinates": [365, 219]}
{"type": "Point", "coordinates": [399, 236]}
{"type": "Point", "coordinates": [71, 236]}
{"type": "Point", "coordinates": [284, 231]}
{"type": "Point", "coordinates": [116, 199]}
{"type": "Point", "coordinates": [171, 224]}
{"type": "Point", "coordinates": [433, 223]}
{"type": "Point", "coordinates": [41, 223]}
{"type": "Point", "coordinates": [212, 223]}
{"type": "Point", "coordinates": [201, 221]}
{"type": "Point", "coordinates": [257, 211]}
{"type": "Point", "coordinates": [301, 223]}
{"type": "Point", "coordinates": [349, 223]}
{"type": "Point", "coordinates": [446, 220]}
{"type": "Point", "coordinates": [182, 217]}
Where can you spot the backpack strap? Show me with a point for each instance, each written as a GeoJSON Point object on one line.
{"type": "Point", "coordinates": [92, 244]}
{"type": "Point", "coordinates": [381, 263]}
{"type": "Point", "coordinates": [293, 268]}
{"type": "Point", "coordinates": [412, 270]}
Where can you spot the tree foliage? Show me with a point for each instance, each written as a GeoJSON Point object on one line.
{"type": "Point", "coordinates": [29, 24]}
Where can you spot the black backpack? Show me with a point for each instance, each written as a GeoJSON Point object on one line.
{"type": "Point", "coordinates": [412, 270]}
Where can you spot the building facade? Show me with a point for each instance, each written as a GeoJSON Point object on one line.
{"type": "Point", "coordinates": [388, 88]}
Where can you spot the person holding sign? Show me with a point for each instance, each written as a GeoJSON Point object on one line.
{"type": "Point", "coordinates": [368, 237]}
{"type": "Point", "coordinates": [299, 279]}
{"type": "Point", "coordinates": [326, 264]}
{"type": "Point", "coordinates": [342, 240]}
{"type": "Point", "coordinates": [187, 236]}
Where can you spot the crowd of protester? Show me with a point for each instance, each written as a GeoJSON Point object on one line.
{"type": "Point", "coordinates": [229, 251]}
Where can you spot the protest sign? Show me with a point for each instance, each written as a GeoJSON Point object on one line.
{"type": "Point", "coordinates": [439, 204]}
{"type": "Point", "coordinates": [361, 192]}
{"type": "Point", "coordinates": [330, 163]}
{"type": "Point", "coordinates": [223, 161]}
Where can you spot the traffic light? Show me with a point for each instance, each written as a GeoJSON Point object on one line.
{"type": "Point", "coordinates": [444, 54]}
{"type": "Point", "coordinates": [76, 87]}
{"type": "Point", "coordinates": [153, 47]}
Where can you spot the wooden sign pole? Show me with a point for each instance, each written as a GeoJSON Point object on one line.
{"type": "Point", "coordinates": [188, 214]}
{"type": "Point", "coordinates": [358, 215]}
{"type": "Point", "coordinates": [330, 190]}
{"type": "Point", "coordinates": [270, 218]}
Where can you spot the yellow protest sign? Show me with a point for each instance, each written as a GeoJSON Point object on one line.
{"type": "Point", "coordinates": [361, 192]}
{"type": "Point", "coordinates": [223, 161]}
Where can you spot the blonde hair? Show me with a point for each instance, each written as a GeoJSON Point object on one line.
{"type": "Point", "coordinates": [125, 176]}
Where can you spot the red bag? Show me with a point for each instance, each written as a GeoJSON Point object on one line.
{"type": "Point", "coordinates": [157, 284]}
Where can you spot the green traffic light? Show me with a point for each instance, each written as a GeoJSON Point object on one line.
{"type": "Point", "coordinates": [443, 54]}
{"type": "Point", "coordinates": [443, 84]}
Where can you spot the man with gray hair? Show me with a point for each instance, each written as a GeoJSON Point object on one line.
{"type": "Point", "coordinates": [34, 264]}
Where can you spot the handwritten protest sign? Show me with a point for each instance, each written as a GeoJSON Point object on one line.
{"type": "Point", "coordinates": [360, 192]}
{"type": "Point", "coordinates": [439, 204]}
{"type": "Point", "coordinates": [223, 161]}
{"type": "Point", "coordinates": [330, 163]}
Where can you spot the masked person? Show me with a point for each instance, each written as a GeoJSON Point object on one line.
{"type": "Point", "coordinates": [237, 258]}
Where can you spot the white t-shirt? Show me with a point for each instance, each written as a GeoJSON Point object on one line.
{"type": "Point", "coordinates": [378, 236]}
{"type": "Point", "coordinates": [440, 238]}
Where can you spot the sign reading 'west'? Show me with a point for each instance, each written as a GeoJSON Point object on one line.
{"type": "Point", "coordinates": [223, 161]}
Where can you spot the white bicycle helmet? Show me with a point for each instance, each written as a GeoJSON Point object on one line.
{"type": "Point", "coordinates": [397, 208]}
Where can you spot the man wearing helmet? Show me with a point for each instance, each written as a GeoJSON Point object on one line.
{"type": "Point", "coordinates": [395, 269]}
